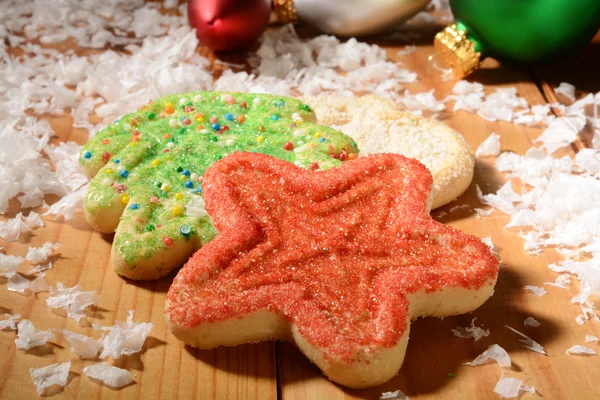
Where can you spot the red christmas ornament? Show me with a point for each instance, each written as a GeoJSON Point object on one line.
{"type": "Point", "coordinates": [225, 25]}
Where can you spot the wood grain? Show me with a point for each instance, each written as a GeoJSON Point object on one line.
{"type": "Point", "coordinates": [168, 370]}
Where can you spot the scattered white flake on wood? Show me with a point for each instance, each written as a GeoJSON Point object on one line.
{"type": "Point", "coordinates": [508, 388]}
{"type": "Point", "coordinates": [124, 338]}
{"type": "Point", "coordinates": [503, 200]}
{"type": "Point", "coordinates": [538, 291]}
{"type": "Point", "coordinates": [591, 338]}
{"type": "Point", "coordinates": [561, 132]}
{"type": "Point", "coordinates": [530, 321]}
{"type": "Point", "coordinates": [566, 90]}
{"type": "Point", "coordinates": [395, 395]}
{"type": "Point", "coordinates": [9, 322]}
{"type": "Point", "coordinates": [458, 207]}
{"type": "Point", "coordinates": [9, 264]}
{"type": "Point", "coordinates": [580, 351]}
{"type": "Point", "coordinates": [489, 147]}
{"type": "Point", "coordinates": [19, 284]}
{"type": "Point", "coordinates": [11, 229]}
{"type": "Point", "coordinates": [472, 331]}
{"type": "Point", "coordinates": [82, 345]}
{"type": "Point", "coordinates": [54, 374]}
{"type": "Point", "coordinates": [561, 281]}
{"type": "Point", "coordinates": [111, 376]}
{"type": "Point", "coordinates": [39, 255]}
{"type": "Point", "coordinates": [68, 204]}
{"type": "Point", "coordinates": [495, 353]}
{"type": "Point", "coordinates": [528, 342]}
{"type": "Point", "coordinates": [483, 213]}
{"type": "Point", "coordinates": [40, 268]}
{"type": "Point", "coordinates": [28, 337]}
{"type": "Point", "coordinates": [73, 300]}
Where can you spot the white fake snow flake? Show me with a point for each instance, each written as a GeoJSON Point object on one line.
{"type": "Point", "coordinates": [566, 90]}
{"type": "Point", "coordinates": [489, 147]}
{"type": "Point", "coordinates": [39, 255]}
{"type": "Point", "coordinates": [510, 388]}
{"type": "Point", "coordinates": [528, 342]}
{"type": "Point", "coordinates": [538, 291]}
{"type": "Point", "coordinates": [11, 229]}
{"type": "Point", "coordinates": [469, 332]}
{"type": "Point", "coordinates": [9, 322]}
{"type": "Point", "coordinates": [124, 338]}
{"type": "Point", "coordinates": [9, 264]}
{"type": "Point", "coordinates": [561, 281]}
{"type": "Point", "coordinates": [111, 376]}
{"type": "Point", "coordinates": [54, 374]}
{"type": "Point", "coordinates": [395, 395]}
{"type": "Point", "coordinates": [83, 345]}
{"type": "Point", "coordinates": [28, 337]}
{"type": "Point", "coordinates": [19, 284]}
{"type": "Point", "coordinates": [495, 353]}
{"type": "Point", "coordinates": [73, 300]}
{"type": "Point", "coordinates": [530, 321]}
{"type": "Point", "coordinates": [591, 338]}
{"type": "Point", "coordinates": [580, 351]}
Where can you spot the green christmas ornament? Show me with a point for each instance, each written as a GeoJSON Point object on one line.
{"type": "Point", "coordinates": [521, 31]}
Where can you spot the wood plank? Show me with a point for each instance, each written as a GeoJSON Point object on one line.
{"type": "Point", "coordinates": [434, 352]}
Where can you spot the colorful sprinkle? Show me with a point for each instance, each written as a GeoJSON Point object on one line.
{"type": "Point", "coordinates": [322, 139]}
{"type": "Point", "coordinates": [186, 172]}
{"type": "Point", "coordinates": [87, 155]}
{"type": "Point", "coordinates": [153, 199]}
{"type": "Point", "coordinates": [173, 123]}
{"type": "Point", "coordinates": [107, 181]}
{"type": "Point", "coordinates": [243, 104]}
{"type": "Point", "coordinates": [189, 184]}
{"type": "Point", "coordinates": [150, 228]}
{"type": "Point", "coordinates": [166, 187]}
{"type": "Point", "coordinates": [314, 166]}
{"type": "Point", "coordinates": [169, 109]}
{"type": "Point", "coordinates": [167, 241]}
{"type": "Point", "coordinates": [178, 196]}
{"type": "Point", "coordinates": [125, 199]}
{"type": "Point", "coordinates": [229, 100]}
{"type": "Point", "coordinates": [241, 119]}
{"type": "Point", "coordinates": [229, 116]}
{"type": "Point", "coordinates": [216, 127]}
{"type": "Point", "coordinates": [260, 139]}
{"type": "Point", "coordinates": [155, 163]}
{"type": "Point", "coordinates": [106, 157]}
{"type": "Point", "coordinates": [124, 173]}
{"type": "Point", "coordinates": [275, 117]}
{"type": "Point", "coordinates": [105, 141]}
{"type": "Point", "coordinates": [288, 146]}
{"type": "Point", "coordinates": [177, 211]}
{"type": "Point", "coordinates": [186, 122]}
{"type": "Point", "coordinates": [185, 230]}
{"type": "Point", "coordinates": [134, 206]}
{"type": "Point", "coordinates": [305, 107]}
{"type": "Point", "coordinates": [150, 116]}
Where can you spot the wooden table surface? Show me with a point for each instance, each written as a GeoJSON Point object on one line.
{"type": "Point", "coordinates": [166, 369]}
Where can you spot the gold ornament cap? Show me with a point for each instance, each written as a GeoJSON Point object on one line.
{"type": "Point", "coordinates": [457, 51]}
{"type": "Point", "coordinates": [285, 11]}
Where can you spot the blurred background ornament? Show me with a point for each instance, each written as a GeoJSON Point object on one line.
{"type": "Point", "coordinates": [225, 25]}
{"type": "Point", "coordinates": [348, 17]}
{"type": "Point", "coordinates": [520, 31]}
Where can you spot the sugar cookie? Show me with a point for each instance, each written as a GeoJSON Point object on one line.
{"type": "Point", "coordinates": [338, 262]}
{"type": "Point", "coordinates": [147, 168]}
{"type": "Point", "coordinates": [380, 126]}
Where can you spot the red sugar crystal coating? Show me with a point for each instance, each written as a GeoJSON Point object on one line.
{"type": "Point", "coordinates": [333, 251]}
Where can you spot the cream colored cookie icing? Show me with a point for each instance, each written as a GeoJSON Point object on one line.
{"type": "Point", "coordinates": [147, 168]}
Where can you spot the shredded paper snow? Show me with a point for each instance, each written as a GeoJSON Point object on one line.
{"type": "Point", "coordinates": [39, 255]}
{"type": "Point", "coordinates": [83, 345]}
{"type": "Point", "coordinates": [28, 337]}
{"type": "Point", "coordinates": [73, 300]}
{"type": "Point", "coordinates": [495, 353]}
{"type": "Point", "coordinates": [528, 342]}
{"type": "Point", "coordinates": [9, 322]}
{"type": "Point", "coordinates": [489, 147]}
{"type": "Point", "coordinates": [580, 351]}
{"type": "Point", "coordinates": [55, 374]}
{"type": "Point", "coordinates": [469, 332]}
{"type": "Point", "coordinates": [111, 376]}
{"type": "Point", "coordinates": [395, 395]}
{"type": "Point", "coordinates": [509, 388]}
{"type": "Point", "coordinates": [124, 338]}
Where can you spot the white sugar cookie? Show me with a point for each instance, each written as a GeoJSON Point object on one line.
{"type": "Point", "coordinates": [381, 126]}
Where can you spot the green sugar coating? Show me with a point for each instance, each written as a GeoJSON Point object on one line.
{"type": "Point", "coordinates": [148, 165]}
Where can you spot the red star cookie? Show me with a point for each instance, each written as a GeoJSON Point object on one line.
{"type": "Point", "coordinates": [337, 261]}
